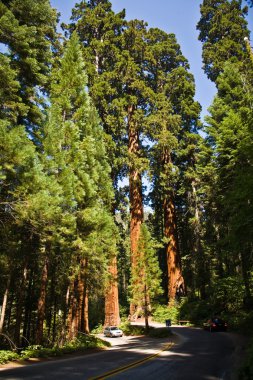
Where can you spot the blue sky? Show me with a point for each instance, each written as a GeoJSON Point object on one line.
{"type": "Point", "coordinates": [173, 16]}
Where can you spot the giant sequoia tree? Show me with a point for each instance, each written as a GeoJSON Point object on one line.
{"type": "Point", "coordinates": [132, 74]}
{"type": "Point", "coordinates": [172, 127]}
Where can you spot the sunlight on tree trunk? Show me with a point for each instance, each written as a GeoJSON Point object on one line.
{"type": "Point", "coordinates": [112, 317]}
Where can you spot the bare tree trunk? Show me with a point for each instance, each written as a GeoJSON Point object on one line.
{"type": "Point", "coordinates": [83, 299]}
{"type": "Point", "coordinates": [175, 277]}
{"type": "Point", "coordinates": [42, 302]}
{"type": "Point", "coordinates": [85, 311]}
{"type": "Point", "coordinates": [73, 311]}
{"type": "Point", "coordinates": [146, 305]}
{"type": "Point", "coordinates": [202, 275]}
{"type": "Point", "coordinates": [65, 317]}
{"type": "Point", "coordinates": [135, 187]}
{"type": "Point", "coordinates": [112, 316]}
{"type": "Point", "coordinates": [19, 308]}
{"type": "Point", "coordinates": [28, 310]}
{"type": "Point", "coordinates": [4, 304]}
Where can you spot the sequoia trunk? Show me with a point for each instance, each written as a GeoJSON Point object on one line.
{"type": "Point", "coordinates": [42, 302]}
{"type": "Point", "coordinates": [4, 304]}
{"type": "Point", "coordinates": [111, 297]}
{"type": "Point", "coordinates": [175, 279]}
{"type": "Point", "coordinates": [135, 187]}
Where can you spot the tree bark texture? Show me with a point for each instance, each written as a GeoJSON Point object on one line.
{"type": "Point", "coordinates": [84, 299]}
{"type": "Point", "coordinates": [4, 304]}
{"type": "Point", "coordinates": [42, 302]}
{"type": "Point", "coordinates": [200, 264]}
{"type": "Point", "coordinates": [20, 306]}
{"type": "Point", "coordinates": [135, 188]}
{"type": "Point", "coordinates": [73, 310]}
{"type": "Point", "coordinates": [78, 318]}
{"type": "Point", "coordinates": [112, 316]}
{"type": "Point", "coordinates": [175, 278]}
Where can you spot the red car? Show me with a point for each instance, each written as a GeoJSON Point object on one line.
{"type": "Point", "coordinates": [215, 324]}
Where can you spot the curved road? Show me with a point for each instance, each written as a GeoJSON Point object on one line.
{"type": "Point", "coordinates": [197, 355]}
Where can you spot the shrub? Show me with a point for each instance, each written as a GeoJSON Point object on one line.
{"type": "Point", "coordinates": [81, 343]}
{"type": "Point", "coordinates": [227, 294]}
{"type": "Point", "coordinates": [7, 356]}
{"type": "Point", "coordinates": [129, 329]}
{"type": "Point", "coordinates": [163, 312]}
{"type": "Point", "coordinates": [162, 332]}
{"type": "Point", "coordinates": [197, 311]}
{"type": "Point", "coordinates": [97, 329]}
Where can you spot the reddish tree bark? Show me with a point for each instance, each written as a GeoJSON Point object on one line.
{"type": "Point", "coordinates": [78, 318]}
{"type": "Point", "coordinates": [84, 299]}
{"type": "Point", "coordinates": [42, 302]}
{"type": "Point", "coordinates": [73, 310]}
{"type": "Point", "coordinates": [135, 188]}
{"type": "Point", "coordinates": [175, 277]}
{"type": "Point", "coordinates": [112, 316]}
{"type": "Point", "coordinates": [85, 312]}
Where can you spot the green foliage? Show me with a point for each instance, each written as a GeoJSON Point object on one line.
{"type": "Point", "coordinates": [81, 343]}
{"type": "Point", "coordinates": [160, 332]}
{"type": "Point", "coordinates": [7, 356]}
{"type": "Point", "coordinates": [147, 269]}
{"type": "Point", "coordinates": [135, 330]}
{"type": "Point", "coordinates": [222, 29]}
{"type": "Point", "coordinates": [28, 30]}
{"type": "Point", "coordinates": [130, 330]}
{"type": "Point", "coordinates": [197, 311]}
{"type": "Point", "coordinates": [97, 329]}
{"type": "Point", "coordinates": [227, 295]}
{"type": "Point", "coordinates": [163, 312]}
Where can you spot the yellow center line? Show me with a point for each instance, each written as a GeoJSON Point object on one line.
{"type": "Point", "coordinates": [131, 365]}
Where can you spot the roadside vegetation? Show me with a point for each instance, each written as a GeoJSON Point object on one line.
{"type": "Point", "coordinates": [79, 345]}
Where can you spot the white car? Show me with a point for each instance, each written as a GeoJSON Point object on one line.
{"type": "Point", "coordinates": [113, 331]}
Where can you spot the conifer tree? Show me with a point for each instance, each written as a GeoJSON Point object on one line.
{"type": "Point", "coordinates": [99, 30]}
{"type": "Point", "coordinates": [16, 165]}
{"type": "Point", "coordinates": [146, 267]}
{"type": "Point", "coordinates": [28, 31]}
{"type": "Point", "coordinates": [173, 122]}
{"type": "Point", "coordinates": [79, 163]}
{"type": "Point", "coordinates": [230, 136]}
{"type": "Point", "coordinates": [222, 29]}
{"type": "Point", "coordinates": [228, 63]}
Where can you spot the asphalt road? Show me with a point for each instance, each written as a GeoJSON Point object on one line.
{"type": "Point", "coordinates": [197, 355]}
